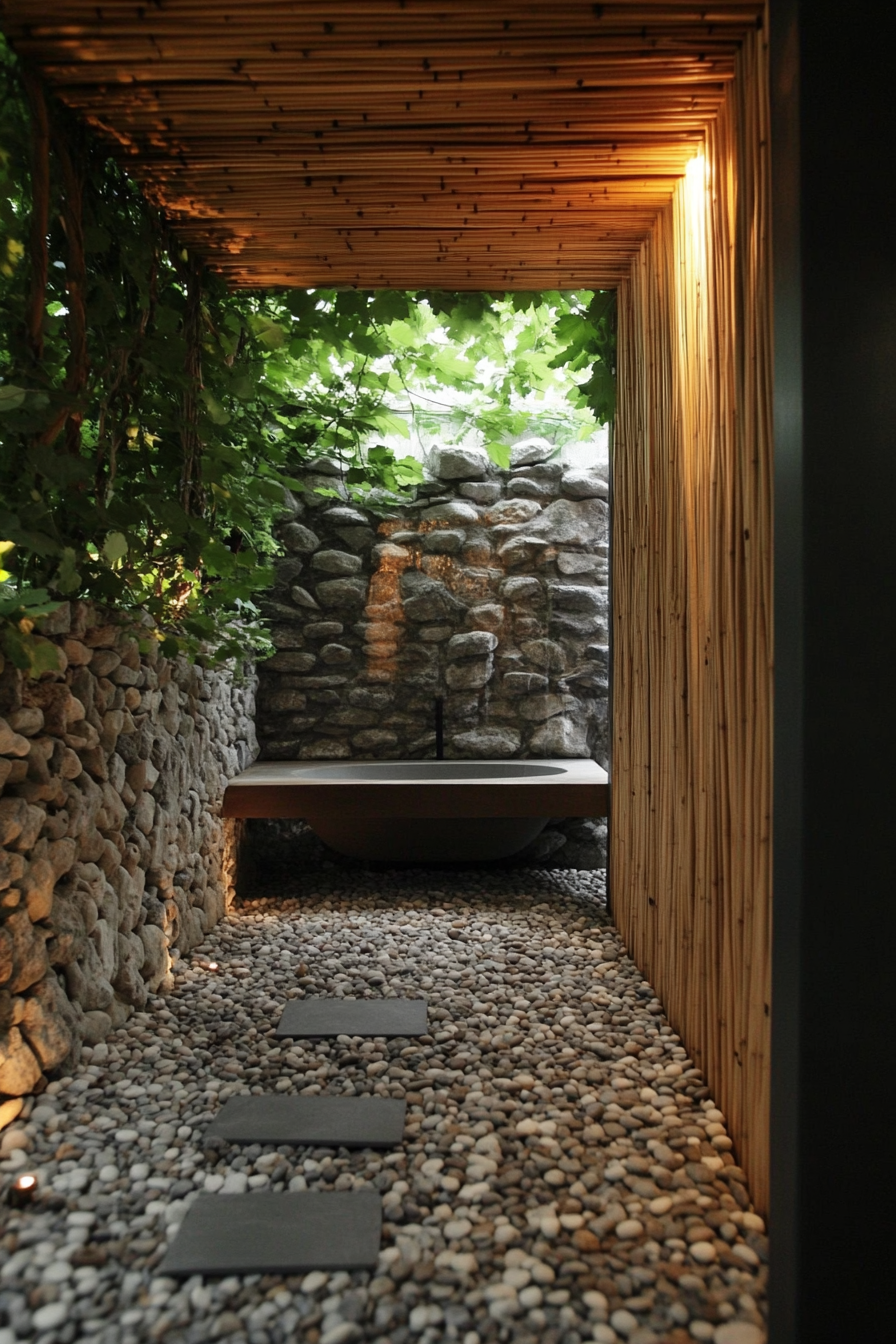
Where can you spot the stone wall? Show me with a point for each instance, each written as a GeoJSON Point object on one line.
{"type": "Point", "coordinates": [490, 591]}
{"type": "Point", "coordinates": [113, 856]}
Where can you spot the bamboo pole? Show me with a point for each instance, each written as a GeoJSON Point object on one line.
{"type": "Point", "coordinates": [692, 623]}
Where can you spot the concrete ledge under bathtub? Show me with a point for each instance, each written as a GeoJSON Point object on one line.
{"type": "Point", "coordinates": [274, 789]}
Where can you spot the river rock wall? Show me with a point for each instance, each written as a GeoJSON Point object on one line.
{"type": "Point", "coordinates": [114, 858]}
{"type": "Point", "coordinates": [489, 591]}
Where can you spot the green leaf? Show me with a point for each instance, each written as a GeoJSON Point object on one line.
{"type": "Point", "coordinates": [389, 305]}
{"type": "Point", "coordinates": [12, 642]}
{"type": "Point", "coordinates": [499, 454]}
{"type": "Point", "coordinates": [602, 305]}
{"type": "Point", "coordinates": [408, 471]}
{"type": "Point", "coordinates": [29, 652]}
{"type": "Point", "coordinates": [68, 579]}
{"type": "Point", "coordinates": [43, 657]}
{"type": "Point", "coordinates": [270, 333]}
{"type": "Point", "coordinates": [115, 547]}
{"type": "Point", "coordinates": [218, 559]}
{"type": "Point", "coordinates": [216, 412]}
{"type": "Point", "coordinates": [11, 397]}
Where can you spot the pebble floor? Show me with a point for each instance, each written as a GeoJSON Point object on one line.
{"type": "Point", "coordinates": [565, 1174]}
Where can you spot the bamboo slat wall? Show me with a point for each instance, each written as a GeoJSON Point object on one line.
{"type": "Point", "coordinates": [458, 144]}
{"type": "Point", "coordinates": [691, 763]}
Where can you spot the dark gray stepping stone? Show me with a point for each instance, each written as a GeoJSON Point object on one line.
{"type": "Point", "coordinates": [353, 1017]}
{"type": "Point", "coordinates": [277, 1234]}
{"type": "Point", "coordinates": [349, 1122]}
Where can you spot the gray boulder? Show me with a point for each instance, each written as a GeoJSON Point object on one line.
{"type": "Point", "coordinates": [336, 562]}
{"type": "Point", "coordinates": [522, 589]}
{"type": "Point", "coordinates": [445, 541]}
{"type": "Point", "coordinates": [579, 562]}
{"type": "Point", "coordinates": [486, 742]}
{"type": "Point", "coordinates": [427, 599]}
{"type": "Point", "coordinates": [476, 644]}
{"type": "Point", "coordinates": [456, 511]}
{"type": "Point", "coordinates": [513, 511]}
{"type": "Point", "coordinates": [343, 515]}
{"type": "Point", "coordinates": [545, 654]}
{"type": "Point", "coordinates": [481, 492]}
{"type": "Point", "coordinates": [485, 616]}
{"type": "Point", "coordinates": [524, 683]}
{"type": "Point", "coordinates": [461, 464]}
{"type": "Point", "coordinates": [323, 629]}
{"type": "Point", "coordinates": [291, 661]}
{"type": "Point", "coordinates": [540, 471]}
{"type": "Point", "coordinates": [342, 592]}
{"type": "Point", "coordinates": [333, 654]}
{"type": "Point", "coordinates": [469, 675]}
{"type": "Point", "coordinates": [566, 522]}
{"type": "Point", "coordinates": [528, 451]}
{"type": "Point", "coordinates": [359, 538]}
{"type": "Point", "coordinates": [576, 597]}
{"type": "Point", "coordinates": [584, 485]}
{"type": "Point", "coordinates": [325, 466]}
{"type": "Point", "coordinates": [524, 488]}
{"type": "Point", "coordinates": [538, 707]}
{"type": "Point", "coordinates": [560, 736]}
{"type": "Point", "coordinates": [299, 538]}
{"type": "Point", "coordinates": [302, 597]}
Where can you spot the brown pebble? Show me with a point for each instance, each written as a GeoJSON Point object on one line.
{"type": "Point", "coordinates": [89, 1255]}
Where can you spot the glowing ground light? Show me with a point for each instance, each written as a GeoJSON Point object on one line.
{"type": "Point", "coordinates": [22, 1191]}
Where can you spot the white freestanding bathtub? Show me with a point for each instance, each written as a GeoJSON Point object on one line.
{"type": "Point", "coordinates": [422, 811]}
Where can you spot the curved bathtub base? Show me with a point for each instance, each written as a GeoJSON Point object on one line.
{"type": "Point", "coordinates": [427, 839]}
{"type": "Point", "coordinates": [422, 811]}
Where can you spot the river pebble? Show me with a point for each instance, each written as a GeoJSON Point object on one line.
{"type": "Point", "coordinates": [561, 1178]}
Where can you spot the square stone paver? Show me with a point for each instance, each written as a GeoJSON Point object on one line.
{"type": "Point", "coordinates": [271, 1233]}
{"type": "Point", "coordinates": [348, 1122]}
{"type": "Point", "coordinates": [353, 1017]}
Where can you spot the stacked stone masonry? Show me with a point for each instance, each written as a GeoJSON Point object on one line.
{"type": "Point", "coordinates": [114, 858]}
{"type": "Point", "coordinates": [489, 591]}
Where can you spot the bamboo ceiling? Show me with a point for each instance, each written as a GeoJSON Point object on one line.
{"type": "Point", "coordinates": [459, 144]}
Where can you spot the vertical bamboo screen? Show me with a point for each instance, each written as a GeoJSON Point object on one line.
{"type": "Point", "coordinates": [690, 861]}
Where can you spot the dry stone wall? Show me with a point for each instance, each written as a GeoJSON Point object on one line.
{"type": "Point", "coordinates": [114, 858]}
{"type": "Point", "coordinates": [490, 591]}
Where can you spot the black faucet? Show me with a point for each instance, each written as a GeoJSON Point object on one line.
{"type": "Point", "coordinates": [440, 733]}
